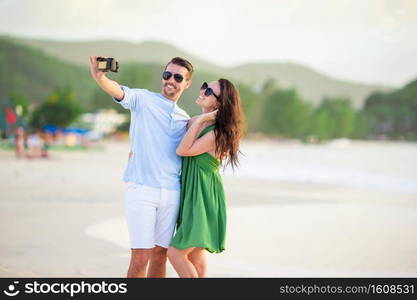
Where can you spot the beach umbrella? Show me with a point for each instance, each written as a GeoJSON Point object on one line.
{"type": "Point", "coordinates": [10, 116]}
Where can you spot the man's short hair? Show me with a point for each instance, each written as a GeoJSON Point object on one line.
{"type": "Point", "coordinates": [183, 63]}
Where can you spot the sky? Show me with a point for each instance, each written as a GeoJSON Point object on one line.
{"type": "Point", "coordinates": [369, 41]}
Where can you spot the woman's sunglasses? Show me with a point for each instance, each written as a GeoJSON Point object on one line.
{"type": "Point", "coordinates": [208, 91]}
{"type": "Point", "coordinates": [167, 75]}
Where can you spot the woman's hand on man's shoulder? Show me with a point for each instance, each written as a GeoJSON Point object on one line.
{"type": "Point", "coordinates": [191, 121]}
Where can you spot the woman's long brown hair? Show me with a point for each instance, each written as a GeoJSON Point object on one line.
{"type": "Point", "coordinates": [230, 124]}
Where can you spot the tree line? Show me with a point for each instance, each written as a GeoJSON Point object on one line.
{"type": "Point", "coordinates": [272, 111]}
{"type": "Point", "coordinates": [284, 113]}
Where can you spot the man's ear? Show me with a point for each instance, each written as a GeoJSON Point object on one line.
{"type": "Point", "coordinates": [189, 83]}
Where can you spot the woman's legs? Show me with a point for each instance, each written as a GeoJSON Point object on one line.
{"type": "Point", "coordinates": [181, 263]}
{"type": "Point", "coordinates": [198, 259]}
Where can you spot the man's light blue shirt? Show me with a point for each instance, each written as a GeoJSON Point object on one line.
{"type": "Point", "coordinates": [157, 126]}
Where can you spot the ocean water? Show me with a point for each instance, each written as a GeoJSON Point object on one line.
{"type": "Point", "coordinates": [383, 166]}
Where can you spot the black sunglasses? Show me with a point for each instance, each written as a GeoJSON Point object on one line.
{"type": "Point", "coordinates": [208, 91]}
{"type": "Point", "coordinates": [167, 75]}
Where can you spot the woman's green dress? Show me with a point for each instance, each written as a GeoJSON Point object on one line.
{"type": "Point", "coordinates": [202, 216]}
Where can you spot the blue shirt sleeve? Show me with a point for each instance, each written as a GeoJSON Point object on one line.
{"type": "Point", "coordinates": [131, 99]}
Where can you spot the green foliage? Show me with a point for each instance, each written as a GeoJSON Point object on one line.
{"type": "Point", "coordinates": [334, 118]}
{"type": "Point", "coordinates": [59, 109]}
{"type": "Point", "coordinates": [285, 114]}
{"type": "Point", "coordinates": [393, 115]}
{"type": "Point", "coordinates": [249, 101]}
{"type": "Point", "coordinates": [361, 125]}
{"type": "Point", "coordinates": [322, 125]}
{"type": "Point", "coordinates": [21, 103]}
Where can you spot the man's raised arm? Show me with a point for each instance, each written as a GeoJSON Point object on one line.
{"type": "Point", "coordinates": [111, 87]}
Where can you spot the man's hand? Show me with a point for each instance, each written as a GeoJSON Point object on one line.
{"type": "Point", "coordinates": [111, 87]}
{"type": "Point", "coordinates": [95, 72]}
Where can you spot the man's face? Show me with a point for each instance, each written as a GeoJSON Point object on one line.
{"type": "Point", "coordinates": [172, 89]}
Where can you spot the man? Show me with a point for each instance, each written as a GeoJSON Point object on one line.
{"type": "Point", "coordinates": [153, 171]}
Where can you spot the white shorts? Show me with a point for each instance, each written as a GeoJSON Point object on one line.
{"type": "Point", "coordinates": [151, 215]}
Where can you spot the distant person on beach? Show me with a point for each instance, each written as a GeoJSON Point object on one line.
{"type": "Point", "coordinates": [152, 175]}
{"type": "Point", "coordinates": [47, 142]}
{"type": "Point", "coordinates": [19, 142]}
{"type": "Point", "coordinates": [212, 137]}
{"type": "Point", "coordinates": [34, 145]}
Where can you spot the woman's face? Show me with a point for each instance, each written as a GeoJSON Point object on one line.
{"type": "Point", "coordinates": [209, 103]}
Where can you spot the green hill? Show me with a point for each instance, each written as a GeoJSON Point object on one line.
{"type": "Point", "coordinates": [312, 85]}
{"type": "Point", "coordinates": [34, 74]}
{"type": "Point", "coordinates": [146, 52]}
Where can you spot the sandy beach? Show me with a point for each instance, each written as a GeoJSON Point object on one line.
{"type": "Point", "coordinates": [338, 210]}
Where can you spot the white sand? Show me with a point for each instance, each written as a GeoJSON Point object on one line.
{"type": "Point", "coordinates": [64, 217]}
{"type": "Point", "coordinates": [340, 239]}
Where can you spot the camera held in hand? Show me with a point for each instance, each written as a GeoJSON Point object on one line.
{"type": "Point", "coordinates": [107, 64]}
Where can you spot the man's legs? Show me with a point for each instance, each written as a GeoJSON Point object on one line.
{"type": "Point", "coordinates": [151, 217]}
{"type": "Point", "coordinates": [138, 262]}
{"type": "Point", "coordinates": [157, 265]}
{"type": "Point", "coordinates": [166, 218]}
{"type": "Point", "coordinates": [140, 207]}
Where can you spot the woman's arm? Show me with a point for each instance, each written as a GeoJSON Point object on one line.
{"type": "Point", "coordinates": [191, 121]}
{"type": "Point", "coordinates": [190, 145]}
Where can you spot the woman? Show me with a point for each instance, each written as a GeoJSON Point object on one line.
{"type": "Point", "coordinates": [211, 138]}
